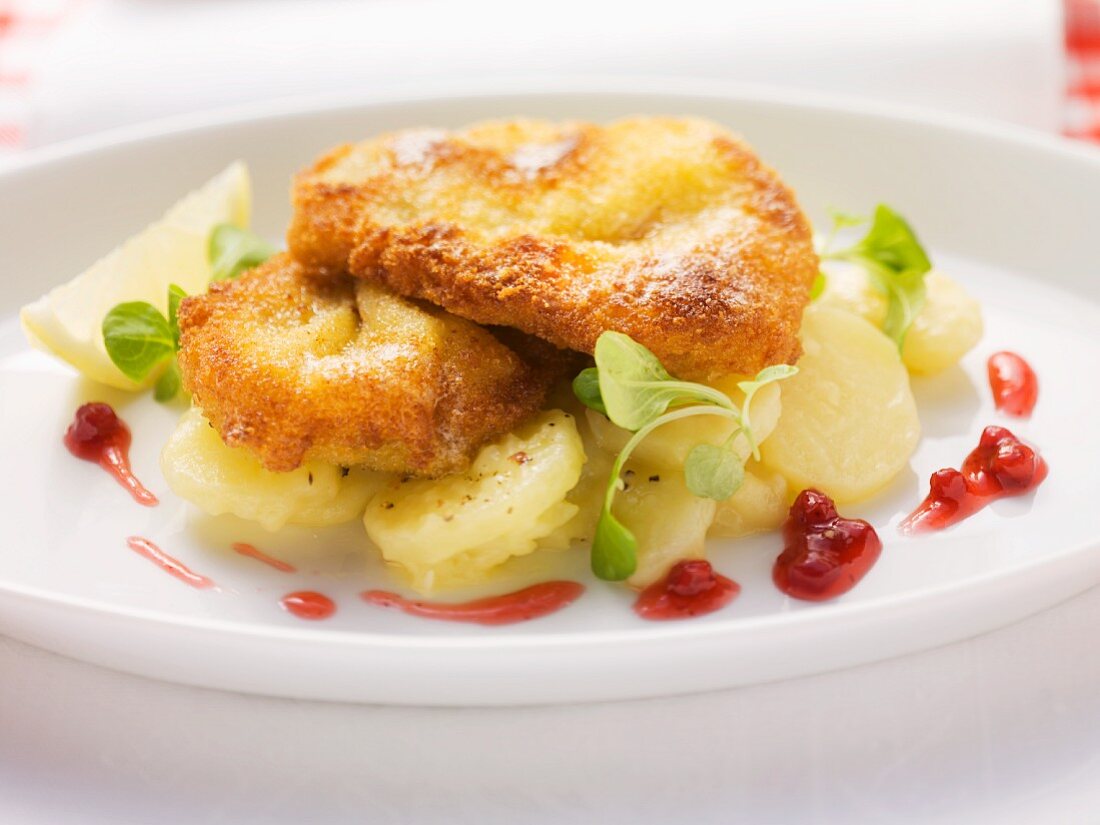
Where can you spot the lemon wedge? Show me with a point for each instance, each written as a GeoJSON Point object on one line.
{"type": "Point", "coordinates": [66, 322]}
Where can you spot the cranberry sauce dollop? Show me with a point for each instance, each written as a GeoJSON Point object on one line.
{"type": "Point", "coordinates": [690, 588]}
{"type": "Point", "coordinates": [1001, 465]}
{"type": "Point", "coordinates": [528, 603]}
{"type": "Point", "coordinates": [308, 604]}
{"type": "Point", "coordinates": [824, 555]}
{"type": "Point", "coordinates": [1014, 383]}
{"type": "Point", "coordinates": [98, 435]}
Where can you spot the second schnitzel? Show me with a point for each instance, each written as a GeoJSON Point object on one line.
{"type": "Point", "coordinates": [670, 230]}
{"type": "Point", "coordinates": [292, 365]}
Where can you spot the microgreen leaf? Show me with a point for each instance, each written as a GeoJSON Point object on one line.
{"type": "Point", "coordinates": [175, 295]}
{"type": "Point", "coordinates": [636, 388]}
{"type": "Point", "coordinates": [168, 385]}
{"type": "Point", "coordinates": [896, 262]}
{"type": "Point", "coordinates": [818, 286]}
{"type": "Point", "coordinates": [768, 375]}
{"type": "Point", "coordinates": [892, 244]}
{"type": "Point", "coordinates": [232, 250]}
{"type": "Point", "coordinates": [614, 549]}
{"type": "Point", "coordinates": [633, 384]}
{"type": "Point", "coordinates": [137, 338]}
{"type": "Point", "coordinates": [586, 386]}
{"type": "Point", "coordinates": [630, 386]}
{"type": "Point", "coordinates": [905, 292]}
{"type": "Point", "coordinates": [711, 471]}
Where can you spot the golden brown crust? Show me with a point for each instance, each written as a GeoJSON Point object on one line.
{"type": "Point", "coordinates": [295, 365]}
{"type": "Point", "coordinates": [668, 229]}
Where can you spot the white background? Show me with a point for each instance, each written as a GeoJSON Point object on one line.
{"type": "Point", "coordinates": [1003, 728]}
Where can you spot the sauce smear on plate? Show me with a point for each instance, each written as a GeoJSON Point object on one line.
{"type": "Point", "coordinates": [98, 434]}
{"type": "Point", "coordinates": [1000, 466]}
{"type": "Point", "coordinates": [1014, 383]}
{"type": "Point", "coordinates": [690, 588]}
{"type": "Point", "coordinates": [308, 604]}
{"type": "Point", "coordinates": [172, 566]}
{"type": "Point", "coordinates": [824, 555]}
{"type": "Point", "coordinates": [520, 606]}
{"type": "Point", "coordinates": [253, 552]}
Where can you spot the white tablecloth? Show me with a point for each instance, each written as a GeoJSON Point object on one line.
{"type": "Point", "coordinates": [1004, 728]}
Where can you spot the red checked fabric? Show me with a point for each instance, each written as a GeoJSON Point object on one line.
{"type": "Point", "coordinates": [25, 29]}
{"type": "Point", "coordinates": [1083, 69]}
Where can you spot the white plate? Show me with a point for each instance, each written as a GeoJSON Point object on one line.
{"type": "Point", "coordinates": [1011, 215]}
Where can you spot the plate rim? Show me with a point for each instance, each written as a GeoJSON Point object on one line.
{"type": "Point", "coordinates": [651, 632]}
{"type": "Point", "coordinates": [596, 85]}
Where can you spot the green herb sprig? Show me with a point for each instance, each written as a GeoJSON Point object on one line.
{"type": "Point", "coordinates": [139, 338]}
{"type": "Point", "coordinates": [232, 250]}
{"type": "Point", "coordinates": [893, 258]}
{"type": "Point", "coordinates": [631, 387]}
{"type": "Point", "coordinates": [818, 286]}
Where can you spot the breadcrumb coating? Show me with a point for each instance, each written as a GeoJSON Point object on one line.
{"type": "Point", "coordinates": [294, 364]}
{"type": "Point", "coordinates": [670, 230]}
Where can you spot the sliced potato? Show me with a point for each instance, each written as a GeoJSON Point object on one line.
{"type": "Point", "coordinates": [667, 447]}
{"type": "Point", "coordinates": [669, 522]}
{"type": "Point", "coordinates": [848, 287]}
{"type": "Point", "coordinates": [588, 493]}
{"type": "Point", "coordinates": [849, 422]}
{"type": "Point", "coordinates": [218, 479]}
{"type": "Point", "coordinates": [453, 530]}
{"type": "Point", "coordinates": [760, 504]}
{"type": "Point", "coordinates": [947, 328]}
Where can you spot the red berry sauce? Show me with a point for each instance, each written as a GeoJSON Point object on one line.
{"type": "Point", "coordinates": [529, 603]}
{"type": "Point", "coordinates": [98, 435]}
{"type": "Point", "coordinates": [172, 566]}
{"type": "Point", "coordinates": [823, 555]}
{"type": "Point", "coordinates": [256, 553]}
{"type": "Point", "coordinates": [1000, 466]}
{"type": "Point", "coordinates": [690, 588]}
{"type": "Point", "coordinates": [1014, 383]}
{"type": "Point", "coordinates": [307, 604]}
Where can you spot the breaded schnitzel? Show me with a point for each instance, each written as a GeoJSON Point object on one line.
{"type": "Point", "coordinates": [292, 365]}
{"type": "Point", "coordinates": [670, 230]}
